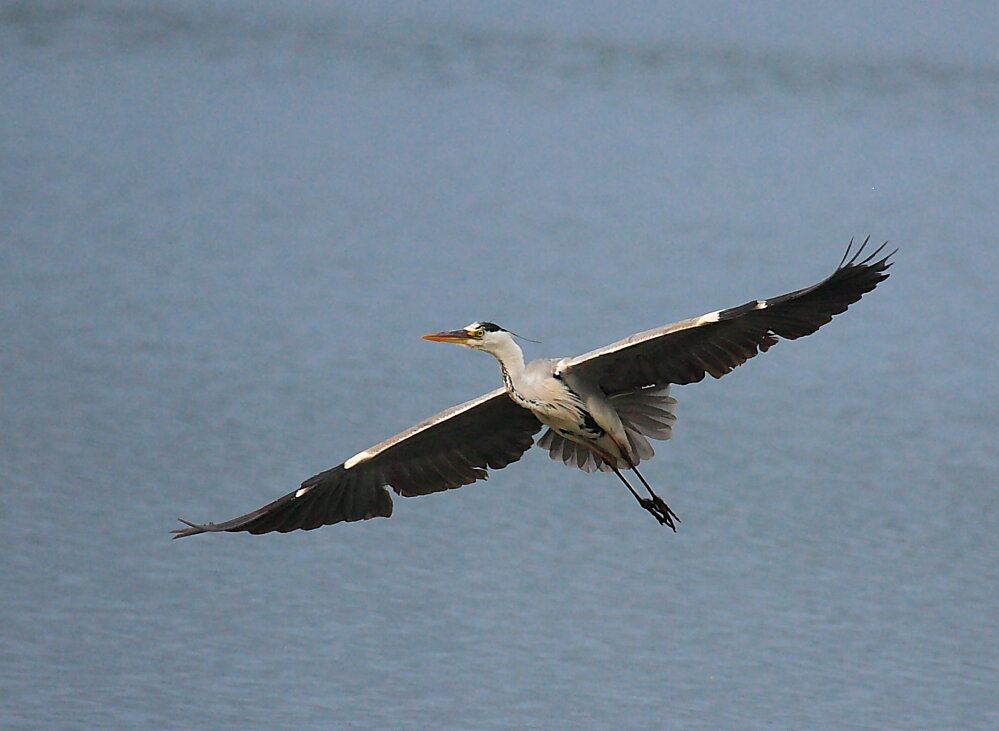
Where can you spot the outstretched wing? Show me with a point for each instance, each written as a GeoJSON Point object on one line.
{"type": "Point", "coordinates": [448, 450]}
{"type": "Point", "coordinates": [719, 341]}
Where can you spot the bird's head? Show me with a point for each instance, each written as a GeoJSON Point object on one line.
{"type": "Point", "coordinates": [486, 336]}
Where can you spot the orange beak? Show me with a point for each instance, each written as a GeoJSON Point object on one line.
{"type": "Point", "coordinates": [449, 336]}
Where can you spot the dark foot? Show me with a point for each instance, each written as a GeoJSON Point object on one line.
{"type": "Point", "coordinates": [660, 511]}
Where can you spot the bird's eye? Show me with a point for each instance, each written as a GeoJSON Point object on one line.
{"type": "Point", "coordinates": [479, 334]}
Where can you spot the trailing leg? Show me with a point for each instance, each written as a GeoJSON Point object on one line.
{"type": "Point", "coordinates": [655, 505]}
{"type": "Point", "coordinates": [658, 501]}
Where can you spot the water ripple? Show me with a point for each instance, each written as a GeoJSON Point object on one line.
{"type": "Point", "coordinates": [312, 43]}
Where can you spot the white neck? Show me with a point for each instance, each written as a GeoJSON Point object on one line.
{"type": "Point", "coordinates": [502, 346]}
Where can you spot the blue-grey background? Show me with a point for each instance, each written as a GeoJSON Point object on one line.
{"type": "Point", "coordinates": [223, 227]}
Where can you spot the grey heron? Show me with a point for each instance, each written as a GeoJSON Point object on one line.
{"type": "Point", "coordinates": [600, 408]}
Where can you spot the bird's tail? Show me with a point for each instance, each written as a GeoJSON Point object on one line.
{"type": "Point", "coordinates": [646, 413]}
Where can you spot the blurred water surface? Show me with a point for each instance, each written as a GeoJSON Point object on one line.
{"type": "Point", "coordinates": [223, 227]}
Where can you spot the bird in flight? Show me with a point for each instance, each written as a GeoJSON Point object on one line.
{"type": "Point", "coordinates": [600, 408]}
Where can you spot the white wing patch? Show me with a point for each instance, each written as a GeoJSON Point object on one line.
{"type": "Point", "coordinates": [357, 459]}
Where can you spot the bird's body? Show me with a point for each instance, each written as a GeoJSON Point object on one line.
{"type": "Point", "coordinates": [587, 428]}
{"type": "Point", "coordinates": [566, 405]}
{"type": "Point", "coordinates": [600, 408]}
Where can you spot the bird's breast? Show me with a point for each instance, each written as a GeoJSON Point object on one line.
{"type": "Point", "coordinates": [568, 419]}
{"type": "Point", "coordinates": [555, 404]}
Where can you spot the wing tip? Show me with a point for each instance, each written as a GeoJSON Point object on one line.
{"type": "Point", "coordinates": [323, 499]}
{"type": "Point", "coordinates": [881, 264]}
{"type": "Point", "coordinates": [193, 529]}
